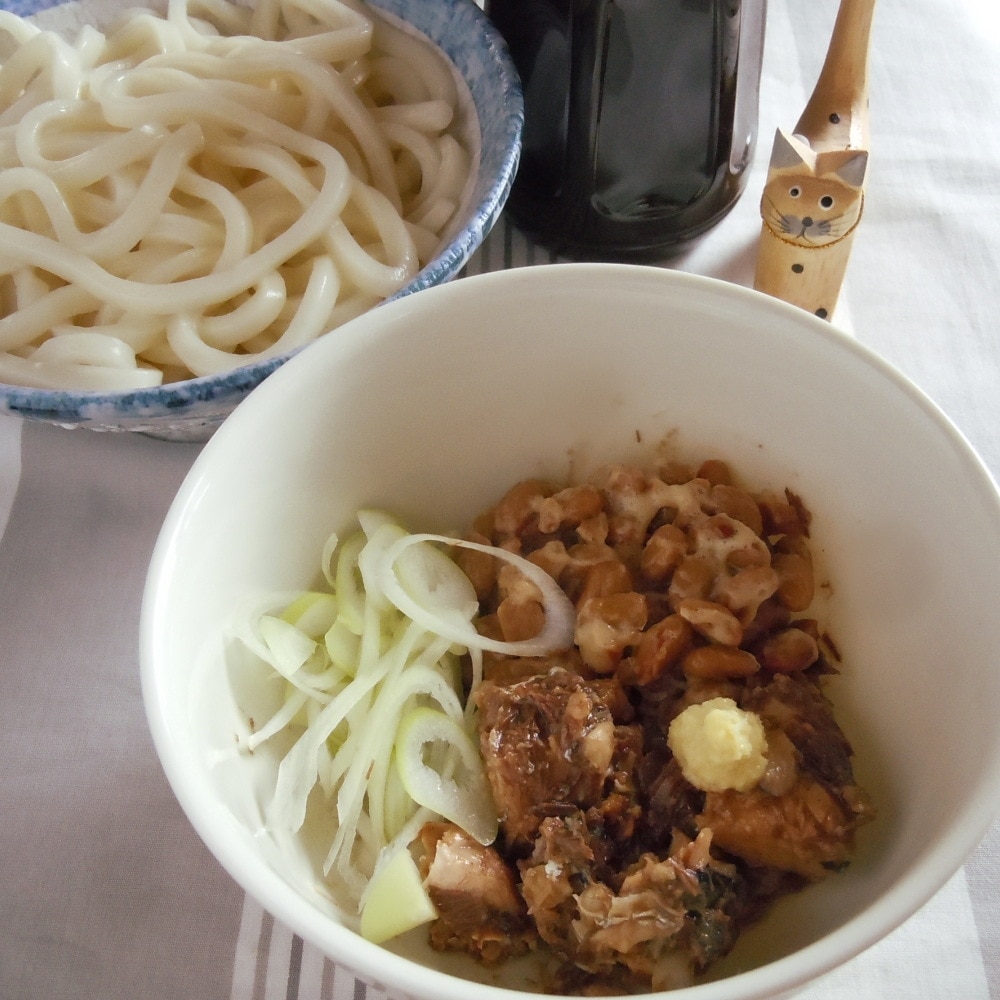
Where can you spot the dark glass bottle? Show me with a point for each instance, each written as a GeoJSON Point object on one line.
{"type": "Point", "coordinates": [640, 118]}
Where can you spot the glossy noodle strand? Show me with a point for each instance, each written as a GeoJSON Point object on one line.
{"type": "Point", "coordinates": [192, 192]}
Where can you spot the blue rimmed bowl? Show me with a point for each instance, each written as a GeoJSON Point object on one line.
{"type": "Point", "coordinates": [192, 410]}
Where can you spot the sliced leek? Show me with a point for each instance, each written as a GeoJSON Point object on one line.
{"type": "Point", "coordinates": [373, 682]}
{"type": "Point", "coordinates": [396, 900]}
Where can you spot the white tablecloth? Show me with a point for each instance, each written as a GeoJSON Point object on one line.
{"type": "Point", "coordinates": [106, 892]}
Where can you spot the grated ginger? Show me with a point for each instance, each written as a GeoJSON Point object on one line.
{"type": "Point", "coordinates": [719, 746]}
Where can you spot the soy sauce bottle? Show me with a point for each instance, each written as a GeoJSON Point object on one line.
{"type": "Point", "coordinates": [640, 118]}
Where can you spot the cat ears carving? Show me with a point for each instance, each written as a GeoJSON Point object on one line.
{"type": "Point", "coordinates": [793, 152]}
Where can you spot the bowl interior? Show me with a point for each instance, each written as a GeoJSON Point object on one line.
{"type": "Point", "coordinates": [433, 405]}
{"type": "Point", "coordinates": [489, 116]}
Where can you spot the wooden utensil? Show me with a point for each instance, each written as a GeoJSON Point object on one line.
{"type": "Point", "coordinates": [814, 192]}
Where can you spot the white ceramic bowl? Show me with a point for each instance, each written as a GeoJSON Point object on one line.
{"type": "Point", "coordinates": [433, 405]}
{"type": "Point", "coordinates": [492, 117]}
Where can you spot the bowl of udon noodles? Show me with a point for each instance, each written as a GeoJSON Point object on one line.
{"type": "Point", "coordinates": [191, 196]}
{"type": "Point", "coordinates": [748, 512]}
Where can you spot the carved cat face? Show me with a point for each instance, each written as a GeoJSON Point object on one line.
{"type": "Point", "coordinates": [812, 199]}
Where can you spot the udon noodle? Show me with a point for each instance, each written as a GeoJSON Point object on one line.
{"type": "Point", "coordinates": [216, 185]}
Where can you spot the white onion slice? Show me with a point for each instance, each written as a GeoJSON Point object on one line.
{"type": "Point", "coordinates": [560, 614]}
{"type": "Point", "coordinates": [372, 673]}
{"type": "Point", "coordinates": [464, 799]}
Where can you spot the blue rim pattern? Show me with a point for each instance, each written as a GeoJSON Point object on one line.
{"type": "Point", "coordinates": [192, 409]}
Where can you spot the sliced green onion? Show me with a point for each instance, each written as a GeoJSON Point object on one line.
{"type": "Point", "coordinates": [560, 614]}
{"type": "Point", "coordinates": [347, 585]}
{"type": "Point", "coordinates": [290, 648]}
{"type": "Point", "coordinates": [396, 900]}
{"type": "Point", "coordinates": [293, 705]}
{"type": "Point", "coordinates": [312, 613]}
{"type": "Point", "coordinates": [374, 678]}
{"type": "Point", "coordinates": [343, 647]}
{"type": "Point", "coordinates": [464, 799]}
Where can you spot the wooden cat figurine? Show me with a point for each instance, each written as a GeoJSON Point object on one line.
{"type": "Point", "coordinates": [814, 193]}
{"type": "Point", "coordinates": [811, 205]}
